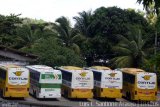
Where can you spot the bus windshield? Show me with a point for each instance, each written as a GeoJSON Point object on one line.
{"type": "Point", "coordinates": [18, 76]}
{"type": "Point", "coordinates": [146, 80]}
{"type": "Point", "coordinates": [111, 79]}
{"type": "Point", "coordinates": [50, 77]}
{"type": "Point", "coordinates": [82, 79]}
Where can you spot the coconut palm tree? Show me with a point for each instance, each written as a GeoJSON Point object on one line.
{"type": "Point", "coordinates": [67, 34]}
{"type": "Point", "coordinates": [130, 51]}
{"type": "Point", "coordinates": [26, 37]}
{"type": "Point", "coordinates": [147, 3]}
{"type": "Point", "coordinates": [84, 23]}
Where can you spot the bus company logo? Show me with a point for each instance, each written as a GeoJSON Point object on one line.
{"type": "Point", "coordinates": [83, 74]}
{"type": "Point", "coordinates": [146, 77]}
{"type": "Point", "coordinates": [18, 73]}
{"type": "Point", "coordinates": [112, 74]}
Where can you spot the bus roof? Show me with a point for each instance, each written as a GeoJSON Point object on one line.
{"type": "Point", "coordinates": [103, 71]}
{"type": "Point", "coordinates": [71, 68]}
{"type": "Point", "coordinates": [100, 68]}
{"type": "Point", "coordinates": [6, 66]}
{"type": "Point", "coordinates": [133, 71]}
{"type": "Point", "coordinates": [40, 68]}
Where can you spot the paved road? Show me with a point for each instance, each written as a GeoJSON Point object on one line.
{"type": "Point", "coordinates": [64, 102]}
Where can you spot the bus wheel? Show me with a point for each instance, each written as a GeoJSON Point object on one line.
{"type": "Point", "coordinates": [66, 94]}
{"type": "Point", "coordinates": [94, 93]}
{"type": "Point", "coordinates": [1, 93]}
{"type": "Point", "coordinates": [129, 96]}
{"type": "Point", "coordinates": [61, 91]}
{"type": "Point", "coordinates": [34, 94]}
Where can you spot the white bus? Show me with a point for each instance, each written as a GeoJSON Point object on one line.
{"type": "Point", "coordinates": [107, 83]}
{"type": "Point", "coordinates": [45, 82]}
{"type": "Point", "coordinates": [77, 82]}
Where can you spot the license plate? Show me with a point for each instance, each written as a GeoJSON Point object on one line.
{"type": "Point", "coordinates": [147, 93]}
{"type": "Point", "coordinates": [111, 90]}
{"type": "Point", "coordinates": [83, 90]}
{"type": "Point", "coordinates": [50, 94]}
{"type": "Point", "coordinates": [49, 89]}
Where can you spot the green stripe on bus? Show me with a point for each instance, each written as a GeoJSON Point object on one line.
{"type": "Point", "coordinates": [51, 76]}
{"type": "Point", "coordinates": [47, 85]}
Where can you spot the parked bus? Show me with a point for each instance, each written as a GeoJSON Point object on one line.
{"type": "Point", "coordinates": [45, 81]}
{"type": "Point", "coordinates": [14, 81]}
{"type": "Point", "coordinates": [139, 85]}
{"type": "Point", "coordinates": [107, 82]}
{"type": "Point", "coordinates": [77, 82]}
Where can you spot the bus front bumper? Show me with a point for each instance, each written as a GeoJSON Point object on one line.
{"type": "Point", "coordinates": [81, 93]}
{"type": "Point", "coordinates": [16, 95]}
{"type": "Point", "coordinates": [51, 95]}
{"type": "Point", "coordinates": [146, 98]}
{"type": "Point", "coordinates": [111, 93]}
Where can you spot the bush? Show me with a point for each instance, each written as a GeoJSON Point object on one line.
{"type": "Point", "coordinates": [53, 54]}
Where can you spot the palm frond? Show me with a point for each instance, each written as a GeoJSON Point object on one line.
{"type": "Point", "coordinates": [134, 48]}
{"type": "Point", "coordinates": [122, 61]}
{"type": "Point", "coordinates": [130, 50]}
{"type": "Point", "coordinates": [76, 48]}
{"type": "Point", "coordinates": [122, 39]}
{"type": "Point", "coordinates": [121, 50]}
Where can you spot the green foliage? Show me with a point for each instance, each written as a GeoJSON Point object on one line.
{"type": "Point", "coordinates": [7, 40]}
{"type": "Point", "coordinates": [84, 24]}
{"type": "Point", "coordinates": [27, 37]}
{"type": "Point", "coordinates": [130, 51]}
{"type": "Point", "coordinates": [53, 54]}
{"type": "Point", "coordinates": [106, 33]}
{"type": "Point", "coordinates": [157, 25]}
{"type": "Point", "coordinates": [32, 21]}
{"type": "Point", "coordinates": [152, 63]}
{"type": "Point", "coordinates": [8, 24]}
{"type": "Point", "coordinates": [102, 27]}
{"type": "Point", "coordinates": [112, 21]}
{"type": "Point", "coordinates": [147, 3]}
{"type": "Point", "coordinates": [68, 35]}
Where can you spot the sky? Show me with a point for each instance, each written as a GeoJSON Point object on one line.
{"type": "Point", "coordinates": [50, 10]}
